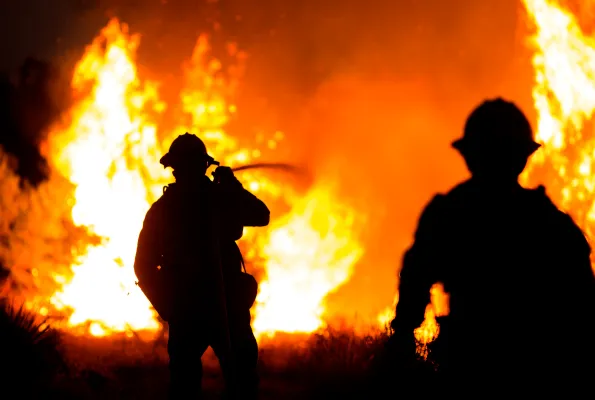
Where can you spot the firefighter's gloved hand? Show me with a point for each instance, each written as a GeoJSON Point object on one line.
{"type": "Point", "coordinates": [225, 176]}
{"type": "Point", "coordinates": [402, 339]}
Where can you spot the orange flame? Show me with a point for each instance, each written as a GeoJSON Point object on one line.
{"type": "Point", "coordinates": [429, 329]}
{"type": "Point", "coordinates": [564, 97]}
{"type": "Point", "coordinates": [109, 149]}
{"type": "Point", "coordinates": [100, 151]}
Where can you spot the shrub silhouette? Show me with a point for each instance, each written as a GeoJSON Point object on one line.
{"type": "Point", "coordinates": [29, 347]}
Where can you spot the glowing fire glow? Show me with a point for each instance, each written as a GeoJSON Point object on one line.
{"type": "Point", "coordinates": [107, 138]}
{"type": "Point", "coordinates": [564, 97]}
{"type": "Point", "coordinates": [310, 251]}
{"type": "Point", "coordinates": [109, 149]}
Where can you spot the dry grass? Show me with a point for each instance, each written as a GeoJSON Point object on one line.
{"type": "Point", "coordinates": [31, 359]}
{"type": "Point", "coordinates": [331, 363]}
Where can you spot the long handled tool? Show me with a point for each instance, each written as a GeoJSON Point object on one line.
{"type": "Point", "coordinates": [231, 361]}
{"type": "Point", "coordinates": [264, 165]}
{"type": "Point", "coordinates": [280, 166]}
{"type": "Point", "coordinates": [232, 381]}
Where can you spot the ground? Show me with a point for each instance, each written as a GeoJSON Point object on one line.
{"type": "Point", "coordinates": [150, 382]}
{"type": "Point", "coordinates": [291, 367]}
{"type": "Point", "coordinates": [40, 362]}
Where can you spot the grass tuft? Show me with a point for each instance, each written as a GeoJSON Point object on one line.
{"type": "Point", "coordinates": [31, 358]}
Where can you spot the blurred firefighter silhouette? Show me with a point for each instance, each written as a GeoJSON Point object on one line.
{"type": "Point", "coordinates": [191, 269]}
{"type": "Point", "coordinates": [518, 272]}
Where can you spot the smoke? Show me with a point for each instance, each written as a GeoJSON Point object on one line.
{"type": "Point", "coordinates": [369, 94]}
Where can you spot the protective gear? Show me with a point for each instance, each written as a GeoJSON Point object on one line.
{"type": "Point", "coordinates": [225, 176]}
{"type": "Point", "coordinates": [244, 287]}
{"type": "Point", "coordinates": [497, 125]}
{"type": "Point", "coordinates": [481, 241]}
{"type": "Point", "coordinates": [188, 340]}
{"type": "Point", "coordinates": [158, 292]}
{"type": "Point", "coordinates": [184, 148]}
{"type": "Point", "coordinates": [176, 267]}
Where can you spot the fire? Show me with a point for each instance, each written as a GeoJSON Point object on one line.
{"type": "Point", "coordinates": [100, 152]}
{"type": "Point", "coordinates": [564, 98]}
{"type": "Point", "coordinates": [109, 148]}
{"type": "Point", "coordinates": [429, 329]}
{"type": "Point", "coordinates": [309, 253]}
{"type": "Point", "coordinates": [385, 317]}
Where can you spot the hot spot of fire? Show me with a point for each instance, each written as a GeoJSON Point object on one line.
{"type": "Point", "coordinates": [564, 98]}
{"type": "Point", "coordinates": [109, 148]}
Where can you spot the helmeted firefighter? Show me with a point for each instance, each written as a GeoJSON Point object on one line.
{"type": "Point", "coordinates": [190, 268]}
{"type": "Point", "coordinates": [517, 270]}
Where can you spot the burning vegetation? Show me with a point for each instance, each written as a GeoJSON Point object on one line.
{"type": "Point", "coordinates": [104, 172]}
{"type": "Point", "coordinates": [564, 66]}
{"type": "Point", "coordinates": [103, 155]}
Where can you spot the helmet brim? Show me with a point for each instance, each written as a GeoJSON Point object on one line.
{"type": "Point", "coordinates": [165, 160]}
{"type": "Point", "coordinates": [464, 145]}
{"type": "Point", "coordinates": [168, 159]}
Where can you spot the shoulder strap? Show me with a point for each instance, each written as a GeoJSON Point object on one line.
{"type": "Point", "coordinates": [241, 257]}
{"type": "Point", "coordinates": [242, 261]}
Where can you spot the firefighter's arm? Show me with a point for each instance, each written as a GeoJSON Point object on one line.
{"type": "Point", "coordinates": [148, 251]}
{"type": "Point", "coordinates": [418, 272]}
{"type": "Point", "coordinates": [251, 210]}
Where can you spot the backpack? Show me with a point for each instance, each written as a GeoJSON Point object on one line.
{"type": "Point", "coordinates": [245, 288]}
